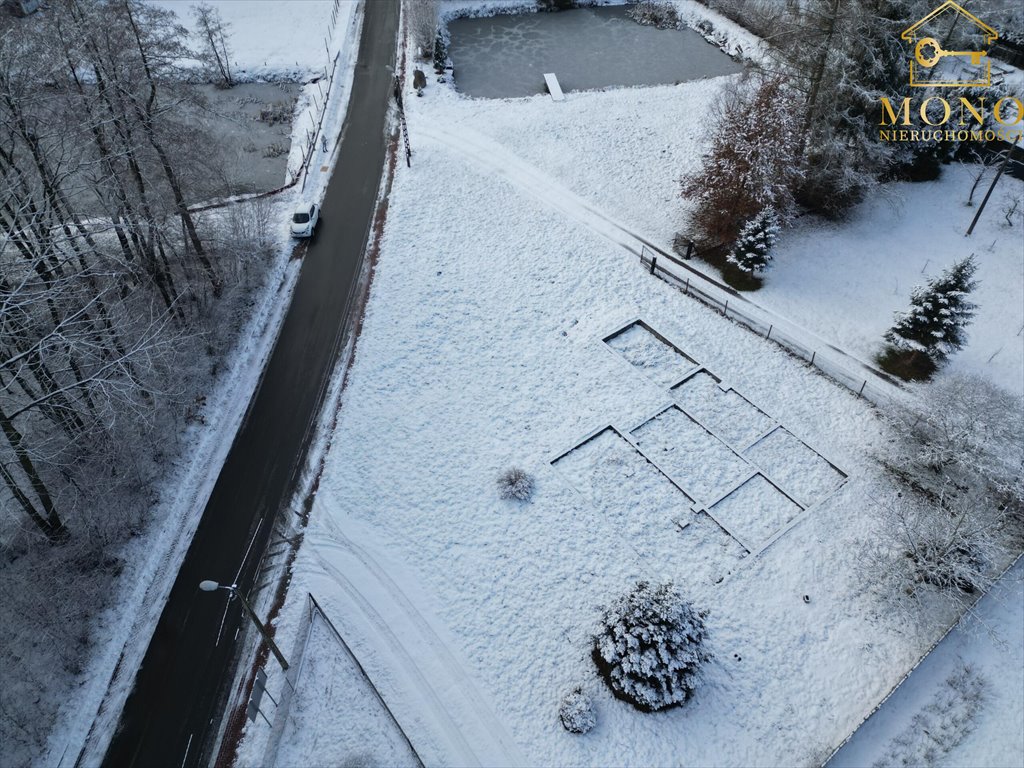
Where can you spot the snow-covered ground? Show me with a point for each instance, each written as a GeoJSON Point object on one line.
{"type": "Point", "coordinates": [86, 721]}
{"type": "Point", "coordinates": [334, 716]}
{"type": "Point", "coordinates": [847, 280]}
{"type": "Point", "coordinates": [483, 347]}
{"type": "Point", "coordinates": [922, 720]}
{"type": "Point", "coordinates": [271, 39]}
{"type": "Point", "coordinates": [491, 339]}
{"type": "Point", "coordinates": [624, 153]}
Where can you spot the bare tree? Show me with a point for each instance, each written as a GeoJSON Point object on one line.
{"type": "Point", "coordinates": [959, 518]}
{"type": "Point", "coordinates": [422, 16]}
{"type": "Point", "coordinates": [213, 33]}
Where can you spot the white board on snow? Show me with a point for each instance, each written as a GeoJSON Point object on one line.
{"type": "Point", "coordinates": [553, 87]}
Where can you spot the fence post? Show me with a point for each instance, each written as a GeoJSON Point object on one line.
{"type": "Point", "coordinates": [687, 286]}
{"type": "Point", "coordinates": [654, 263]}
{"type": "Point", "coordinates": [861, 392]}
{"type": "Point", "coordinates": [813, 353]}
{"type": "Point", "coordinates": [769, 334]}
{"type": "Point", "coordinates": [726, 312]}
{"type": "Point", "coordinates": [689, 248]}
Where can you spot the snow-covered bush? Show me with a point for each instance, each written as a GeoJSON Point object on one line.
{"type": "Point", "coordinates": [515, 484]}
{"type": "Point", "coordinates": [654, 13]}
{"type": "Point", "coordinates": [577, 712]}
{"type": "Point", "coordinates": [753, 250]}
{"type": "Point", "coordinates": [650, 646]}
{"type": "Point", "coordinates": [753, 164]}
{"type": "Point", "coordinates": [941, 724]}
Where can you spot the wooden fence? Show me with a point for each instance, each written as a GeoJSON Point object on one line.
{"type": "Point", "coordinates": [863, 379]}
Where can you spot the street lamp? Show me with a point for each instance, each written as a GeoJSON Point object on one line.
{"type": "Point", "coordinates": [213, 586]}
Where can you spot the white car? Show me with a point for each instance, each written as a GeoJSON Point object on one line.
{"type": "Point", "coordinates": [304, 220]}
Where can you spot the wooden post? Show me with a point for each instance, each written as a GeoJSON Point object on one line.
{"type": "Point", "coordinates": [726, 312]}
{"type": "Point", "coordinates": [861, 392]}
{"type": "Point", "coordinates": [689, 248]}
{"type": "Point", "coordinates": [654, 263]}
{"type": "Point", "coordinates": [769, 334]}
{"type": "Point", "coordinates": [813, 353]}
{"type": "Point", "coordinates": [687, 286]}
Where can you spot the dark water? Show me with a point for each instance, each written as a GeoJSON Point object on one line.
{"type": "Point", "coordinates": [586, 48]}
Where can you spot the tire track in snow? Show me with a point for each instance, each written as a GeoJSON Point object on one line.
{"type": "Point", "coordinates": [408, 665]}
{"type": "Point", "coordinates": [501, 161]}
{"type": "Point", "coordinates": [481, 707]}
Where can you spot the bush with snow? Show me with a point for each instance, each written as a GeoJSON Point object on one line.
{"type": "Point", "coordinates": [515, 484]}
{"type": "Point", "coordinates": [941, 724]}
{"type": "Point", "coordinates": [654, 13]}
{"type": "Point", "coordinates": [752, 252]}
{"type": "Point", "coordinates": [650, 647]}
{"type": "Point", "coordinates": [577, 712]}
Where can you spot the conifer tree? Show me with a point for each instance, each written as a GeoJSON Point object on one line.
{"type": "Point", "coordinates": [938, 314]}
{"type": "Point", "coordinates": [753, 250]}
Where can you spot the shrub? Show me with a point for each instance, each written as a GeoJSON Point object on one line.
{"type": "Point", "coordinates": [277, 149]}
{"type": "Point", "coordinates": [650, 647]}
{"type": "Point", "coordinates": [515, 484]}
{"type": "Point", "coordinates": [577, 712]}
{"type": "Point", "coordinates": [278, 112]}
{"type": "Point", "coordinates": [652, 13]}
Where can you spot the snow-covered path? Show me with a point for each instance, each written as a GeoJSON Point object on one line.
{"type": "Point", "coordinates": [420, 659]}
{"type": "Point", "coordinates": [501, 161]}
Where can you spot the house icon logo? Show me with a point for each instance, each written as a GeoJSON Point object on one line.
{"type": "Point", "coordinates": [928, 52]}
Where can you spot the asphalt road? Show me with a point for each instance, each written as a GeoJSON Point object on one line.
{"type": "Point", "coordinates": [173, 712]}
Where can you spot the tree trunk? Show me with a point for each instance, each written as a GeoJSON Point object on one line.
{"type": "Point", "coordinates": [47, 520]}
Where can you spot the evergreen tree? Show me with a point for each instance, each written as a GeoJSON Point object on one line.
{"type": "Point", "coordinates": [753, 250]}
{"type": "Point", "coordinates": [650, 647]}
{"type": "Point", "coordinates": [843, 55]}
{"type": "Point", "coordinates": [938, 314]}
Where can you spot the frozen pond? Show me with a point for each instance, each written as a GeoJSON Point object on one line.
{"type": "Point", "coordinates": [587, 48]}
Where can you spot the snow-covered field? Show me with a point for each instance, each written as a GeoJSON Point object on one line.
{"type": "Point", "coordinates": [271, 39]}
{"type": "Point", "coordinates": [624, 153]}
{"type": "Point", "coordinates": [484, 347]}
